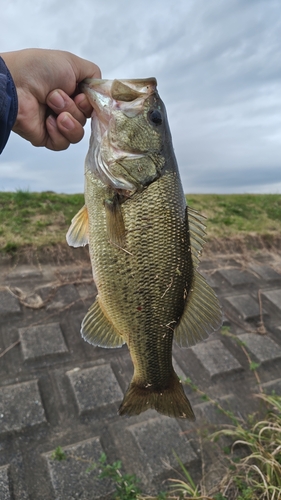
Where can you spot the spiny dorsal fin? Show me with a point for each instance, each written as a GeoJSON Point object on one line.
{"type": "Point", "coordinates": [97, 329]}
{"type": "Point", "coordinates": [78, 233]}
{"type": "Point", "coordinates": [202, 313]}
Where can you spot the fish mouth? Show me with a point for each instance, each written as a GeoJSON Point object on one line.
{"type": "Point", "coordinates": [108, 97]}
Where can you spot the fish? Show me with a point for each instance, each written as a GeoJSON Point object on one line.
{"type": "Point", "coordinates": [144, 242]}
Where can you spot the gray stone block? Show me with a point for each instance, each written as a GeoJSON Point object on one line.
{"type": "Point", "coordinates": [180, 373]}
{"type": "Point", "coordinates": [24, 272]}
{"type": "Point", "coordinates": [244, 306]}
{"type": "Point", "coordinates": [20, 407]}
{"type": "Point", "coordinates": [274, 298]}
{"type": "Point", "coordinates": [216, 358]}
{"type": "Point", "coordinates": [265, 272]}
{"type": "Point", "coordinates": [64, 296]}
{"type": "Point", "coordinates": [86, 290]}
{"type": "Point", "coordinates": [209, 279]}
{"type": "Point", "coordinates": [9, 304]}
{"type": "Point", "coordinates": [42, 340]}
{"type": "Point", "coordinates": [274, 386]}
{"type": "Point", "coordinates": [236, 277]}
{"type": "Point", "coordinates": [156, 439]}
{"type": "Point", "coordinates": [261, 346]}
{"type": "Point", "coordinates": [95, 387]}
{"type": "Point", "coordinates": [4, 483]}
{"type": "Point", "coordinates": [71, 478]}
{"type": "Point", "coordinates": [214, 414]}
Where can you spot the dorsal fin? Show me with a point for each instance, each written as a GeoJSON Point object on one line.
{"type": "Point", "coordinates": [202, 313]}
{"type": "Point", "coordinates": [78, 233]}
{"type": "Point", "coordinates": [197, 234]}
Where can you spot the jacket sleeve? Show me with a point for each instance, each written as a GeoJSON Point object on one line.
{"type": "Point", "coordinates": [8, 104]}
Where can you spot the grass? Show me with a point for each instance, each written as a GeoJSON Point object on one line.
{"type": "Point", "coordinates": [38, 219]}
{"type": "Point", "coordinates": [35, 219]}
{"type": "Point", "coordinates": [230, 215]}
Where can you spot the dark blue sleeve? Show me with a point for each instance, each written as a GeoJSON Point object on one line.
{"type": "Point", "coordinates": [8, 104]}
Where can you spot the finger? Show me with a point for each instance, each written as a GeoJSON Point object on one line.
{"type": "Point", "coordinates": [60, 102]}
{"type": "Point", "coordinates": [83, 104]}
{"type": "Point", "coordinates": [70, 128]}
{"type": "Point", "coordinates": [62, 131]}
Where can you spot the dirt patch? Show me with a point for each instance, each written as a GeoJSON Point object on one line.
{"type": "Point", "coordinates": [248, 247]}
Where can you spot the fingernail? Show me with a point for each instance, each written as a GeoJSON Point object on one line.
{"type": "Point", "coordinates": [57, 100]}
{"type": "Point", "coordinates": [67, 123]}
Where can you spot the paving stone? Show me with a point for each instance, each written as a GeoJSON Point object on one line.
{"type": "Point", "coordinates": [70, 477]}
{"type": "Point", "coordinates": [213, 415]}
{"type": "Point", "coordinates": [9, 304]}
{"type": "Point", "coordinates": [95, 387]}
{"type": "Point", "coordinates": [180, 373]}
{"type": "Point", "coordinates": [157, 438]}
{"type": "Point", "coordinates": [23, 272]}
{"type": "Point", "coordinates": [261, 346]}
{"type": "Point", "coordinates": [244, 306]}
{"type": "Point", "coordinates": [86, 290]}
{"type": "Point", "coordinates": [236, 277]}
{"type": "Point", "coordinates": [20, 407]}
{"type": "Point", "coordinates": [274, 386]}
{"type": "Point", "coordinates": [274, 297]}
{"type": "Point", "coordinates": [266, 272]}
{"type": "Point", "coordinates": [42, 340]}
{"type": "Point", "coordinates": [4, 483]}
{"type": "Point", "coordinates": [65, 295]}
{"type": "Point", "coordinates": [216, 358]}
{"type": "Point", "coordinates": [210, 280]}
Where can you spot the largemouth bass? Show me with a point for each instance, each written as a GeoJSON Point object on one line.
{"type": "Point", "coordinates": [144, 244]}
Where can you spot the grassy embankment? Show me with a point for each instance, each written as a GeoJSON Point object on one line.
{"type": "Point", "coordinates": [39, 219]}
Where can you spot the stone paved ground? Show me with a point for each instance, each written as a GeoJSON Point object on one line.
{"type": "Point", "coordinates": [57, 390]}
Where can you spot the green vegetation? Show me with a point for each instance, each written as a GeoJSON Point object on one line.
{"type": "Point", "coordinates": [39, 219]}
{"type": "Point", "coordinates": [58, 454]}
{"type": "Point", "coordinates": [126, 487]}
{"type": "Point", "coordinates": [230, 215]}
{"type": "Point", "coordinates": [35, 219]}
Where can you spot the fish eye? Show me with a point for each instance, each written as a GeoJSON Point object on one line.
{"type": "Point", "coordinates": [155, 116]}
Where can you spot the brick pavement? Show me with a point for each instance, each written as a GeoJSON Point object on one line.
{"type": "Point", "coordinates": [57, 390]}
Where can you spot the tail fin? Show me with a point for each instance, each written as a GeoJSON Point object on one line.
{"type": "Point", "coordinates": [171, 401]}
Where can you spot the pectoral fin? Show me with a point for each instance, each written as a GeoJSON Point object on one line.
{"type": "Point", "coordinates": [202, 314]}
{"type": "Point", "coordinates": [78, 233]}
{"type": "Point", "coordinates": [97, 329]}
{"type": "Point", "coordinates": [114, 221]}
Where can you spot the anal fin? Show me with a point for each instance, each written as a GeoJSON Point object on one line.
{"type": "Point", "coordinates": [97, 329]}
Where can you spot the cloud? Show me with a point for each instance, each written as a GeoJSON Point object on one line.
{"type": "Point", "coordinates": [218, 68]}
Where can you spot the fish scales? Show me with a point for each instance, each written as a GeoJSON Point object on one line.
{"type": "Point", "coordinates": [144, 252]}
{"type": "Point", "coordinates": [140, 288]}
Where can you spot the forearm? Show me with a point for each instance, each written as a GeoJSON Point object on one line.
{"type": "Point", "coordinates": [8, 103]}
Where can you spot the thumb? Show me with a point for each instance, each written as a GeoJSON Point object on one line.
{"type": "Point", "coordinates": [84, 68]}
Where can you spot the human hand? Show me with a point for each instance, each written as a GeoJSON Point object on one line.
{"type": "Point", "coordinates": [45, 81]}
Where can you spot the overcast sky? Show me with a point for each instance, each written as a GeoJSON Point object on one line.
{"type": "Point", "coordinates": [218, 66]}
